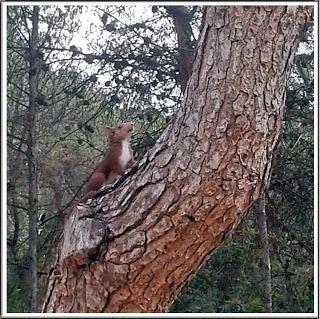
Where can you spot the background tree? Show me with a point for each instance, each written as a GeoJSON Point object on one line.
{"type": "Point", "coordinates": [27, 74]}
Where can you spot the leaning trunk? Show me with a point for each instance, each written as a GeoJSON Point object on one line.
{"type": "Point", "coordinates": [137, 246]}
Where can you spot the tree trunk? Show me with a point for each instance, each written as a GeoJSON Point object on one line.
{"type": "Point", "coordinates": [136, 247]}
{"type": "Point", "coordinates": [265, 264]}
{"type": "Point", "coordinates": [181, 19]}
{"type": "Point", "coordinates": [32, 181]}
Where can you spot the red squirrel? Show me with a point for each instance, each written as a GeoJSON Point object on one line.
{"type": "Point", "coordinates": [116, 160]}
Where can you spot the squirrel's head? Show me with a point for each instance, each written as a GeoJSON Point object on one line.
{"type": "Point", "coordinates": [120, 132]}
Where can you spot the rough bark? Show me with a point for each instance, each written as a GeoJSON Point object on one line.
{"type": "Point", "coordinates": [265, 264]}
{"type": "Point", "coordinates": [32, 181]}
{"type": "Point", "coordinates": [137, 245]}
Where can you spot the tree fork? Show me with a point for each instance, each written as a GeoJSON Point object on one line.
{"type": "Point", "coordinates": [137, 246]}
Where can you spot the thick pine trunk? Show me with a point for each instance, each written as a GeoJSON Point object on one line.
{"type": "Point", "coordinates": [137, 247]}
{"type": "Point", "coordinates": [32, 181]}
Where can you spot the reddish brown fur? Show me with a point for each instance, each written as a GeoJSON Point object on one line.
{"type": "Point", "coordinates": [110, 162]}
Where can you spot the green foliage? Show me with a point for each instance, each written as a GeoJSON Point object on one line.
{"type": "Point", "coordinates": [15, 292]}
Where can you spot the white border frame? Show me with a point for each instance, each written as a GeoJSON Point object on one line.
{"type": "Point", "coordinates": [4, 313]}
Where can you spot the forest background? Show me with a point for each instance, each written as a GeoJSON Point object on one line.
{"type": "Point", "coordinates": [101, 65]}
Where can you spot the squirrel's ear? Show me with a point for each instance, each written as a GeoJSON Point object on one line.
{"type": "Point", "coordinates": [109, 130]}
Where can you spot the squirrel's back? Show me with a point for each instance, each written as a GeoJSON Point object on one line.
{"type": "Point", "coordinates": [116, 160]}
